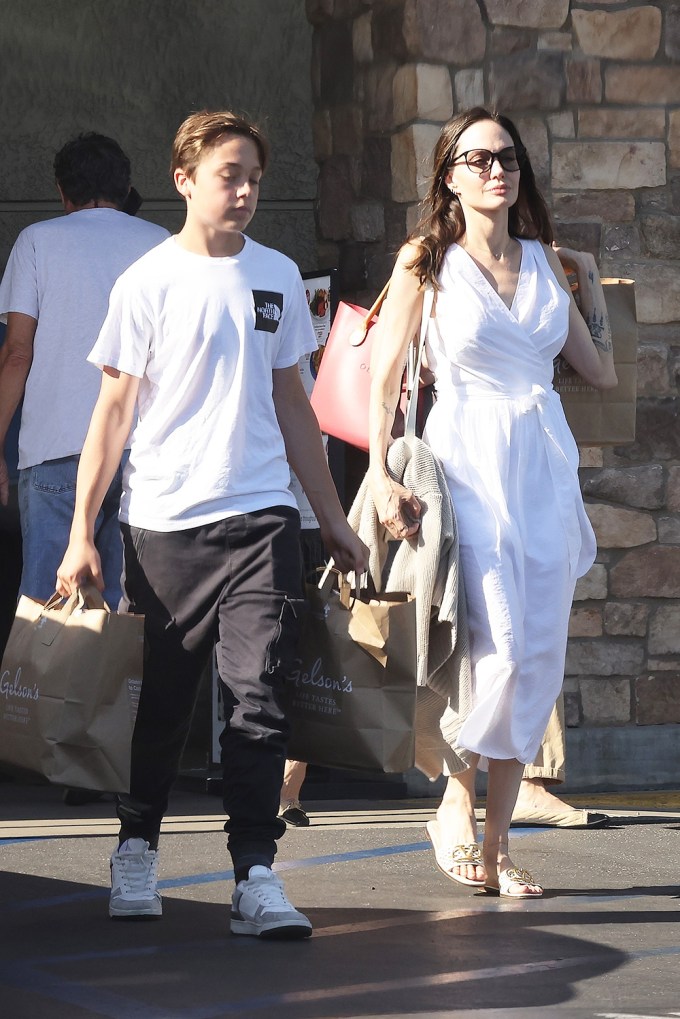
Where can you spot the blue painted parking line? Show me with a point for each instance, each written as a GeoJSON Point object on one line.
{"type": "Point", "coordinates": [32, 838]}
{"type": "Point", "coordinates": [222, 875]}
{"type": "Point", "coordinates": [227, 875]}
{"type": "Point", "coordinates": [85, 835]}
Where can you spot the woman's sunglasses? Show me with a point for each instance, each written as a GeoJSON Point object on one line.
{"type": "Point", "coordinates": [481, 160]}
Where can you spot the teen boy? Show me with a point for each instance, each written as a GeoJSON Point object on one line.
{"type": "Point", "coordinates": [204, 335]}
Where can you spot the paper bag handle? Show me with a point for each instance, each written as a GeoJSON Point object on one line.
{"type": "Point", "coordinates": [85, 597]}
{"type": "Point", "coordinates": [344, 586]}
{"type": "Point", "coordinates": [90, 598]}
{"type": "Point", "coordinates": [58, 610]}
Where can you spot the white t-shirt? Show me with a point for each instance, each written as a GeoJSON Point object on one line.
{"type": "Point", "coordinates": [203, 335]}
{"type": "Point", "coordinates": [60, 272]}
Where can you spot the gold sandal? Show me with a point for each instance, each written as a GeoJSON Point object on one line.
{"type": "Point", "coordinates": [456, 856]}
{"type": "Point", "coordinates": [514, 876]}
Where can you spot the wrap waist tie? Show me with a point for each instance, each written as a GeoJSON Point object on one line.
{"type": "Point", "coordinates": [564, 478]}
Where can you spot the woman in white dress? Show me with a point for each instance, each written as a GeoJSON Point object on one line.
{"type": "Point", "coordinates": [504, 310]}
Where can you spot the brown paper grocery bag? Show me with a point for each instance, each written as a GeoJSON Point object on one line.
{"type": "Point", "coordinates": [605, 418]}
{"type": "Point", "coordinates": [351, 703]}
{"type": "Point", "coordinates": [69, 687]}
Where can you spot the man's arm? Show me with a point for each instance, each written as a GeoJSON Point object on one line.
{"type": "Point", "coordinates": [109, 428]}
{"type": "Point", "coordinates": [307, 457]}
{"type": "Point", "coordinates": [16, 356]}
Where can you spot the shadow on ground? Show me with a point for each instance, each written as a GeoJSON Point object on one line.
{"type": "Point", "coordinates": [64, 958]}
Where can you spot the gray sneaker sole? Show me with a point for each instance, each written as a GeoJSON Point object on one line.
{"type": "Point", "coordinates": [273, 931]}
{"type": "Point", "coordinates": [149, 911]}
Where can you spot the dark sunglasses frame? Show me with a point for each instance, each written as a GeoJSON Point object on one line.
{"type": "Point", "coordinates": [510, 154]}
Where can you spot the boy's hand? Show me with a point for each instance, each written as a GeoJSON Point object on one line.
{"type": "Point", "coordinates": [81, 565]}
{"type": "Point", "coordinates": [347, 549]}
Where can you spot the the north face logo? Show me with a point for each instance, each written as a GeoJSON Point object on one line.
{"type": "Point", "coordinates": [268, 310]}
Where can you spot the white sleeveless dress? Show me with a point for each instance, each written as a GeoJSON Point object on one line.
{"type": "Point", "coordinates": [511, 464]}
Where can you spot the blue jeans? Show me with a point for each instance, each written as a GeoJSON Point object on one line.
{"type": "Point", "coordinates": [46, 501]}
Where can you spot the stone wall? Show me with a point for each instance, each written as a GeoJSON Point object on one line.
{"type": "Point", "coordinates": [594, 86]}
{"type": "Point", "coordinates": [135, 70]}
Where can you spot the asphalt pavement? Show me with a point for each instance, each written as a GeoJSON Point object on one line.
{"type": "Point", "coordinates": [392, 936]}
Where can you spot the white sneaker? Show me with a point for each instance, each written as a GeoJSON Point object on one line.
{"type": "Point", "coordinates": [134, 875]}
{"type": "Point", "coordinates": [259, 907]}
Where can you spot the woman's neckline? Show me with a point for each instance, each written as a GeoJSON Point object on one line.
{"type": "Point", "coordinates": [476, 264]}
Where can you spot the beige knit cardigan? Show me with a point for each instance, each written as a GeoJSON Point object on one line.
{"type": "Point", "coordinates": [427, 566]}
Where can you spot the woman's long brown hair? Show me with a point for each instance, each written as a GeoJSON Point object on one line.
{"type": "Point", "coordinates": [443, 221]}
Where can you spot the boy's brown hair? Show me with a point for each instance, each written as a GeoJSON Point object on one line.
{"type": "Point", "coordinates": [201, 131]}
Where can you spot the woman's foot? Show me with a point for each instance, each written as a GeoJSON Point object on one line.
{"type": "Point", "coordinates": [515, 884]}
{"type": "Point", "coordinates": [461, 862]}
{"type": "Point", "coordinates": [506, 880]}
{"type": "Point", "coordinates": [454, 833]}
{"type": "Point", "coordinates": [536, 805]}
{"type": "Point", "coordinates": [294, 813]}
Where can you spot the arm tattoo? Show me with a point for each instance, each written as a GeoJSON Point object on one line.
{"type": "Point", "coordinates": [591, 276]}
{"type": "Point", "coordinates": [596, 327]}
{"type": "Point", "coordinates": [387, 410]}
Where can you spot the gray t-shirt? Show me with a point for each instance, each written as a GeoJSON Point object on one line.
{"type": "Point", "coordinates": [61, 272]}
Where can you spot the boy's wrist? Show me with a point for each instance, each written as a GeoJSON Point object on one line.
{"type": "Point", "coordinates": [81, 533]}
{"type": "Point", "coordinates": [329, 521]}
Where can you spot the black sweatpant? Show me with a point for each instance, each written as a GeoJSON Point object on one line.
{"type": "Point", "coordinates": [237, 584]}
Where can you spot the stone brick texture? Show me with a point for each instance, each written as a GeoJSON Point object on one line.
{"type": "Point", "coordinates": [657, 698]}
{"type": "Point", "coordinates": [594, 87]}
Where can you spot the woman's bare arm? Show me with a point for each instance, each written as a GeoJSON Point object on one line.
{"type": "Point", "coordinates": [397, 507]}
{"type": "Point", "coordinates": [588, 349]}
